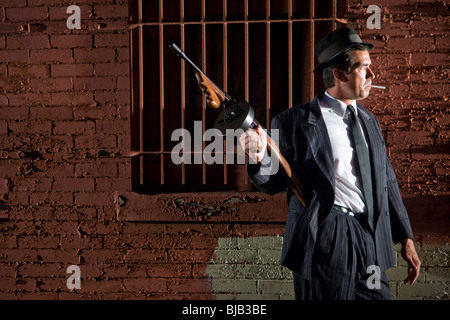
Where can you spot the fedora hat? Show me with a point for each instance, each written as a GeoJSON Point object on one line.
{"type": "Point", "coordinates": [330, 46]}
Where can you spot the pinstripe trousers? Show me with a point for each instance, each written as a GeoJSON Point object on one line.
{"type": "Point", "coordinates": [343, 252]}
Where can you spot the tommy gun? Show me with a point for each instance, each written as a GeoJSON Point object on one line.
{"type": "Point", "coordinates": [238, 115]}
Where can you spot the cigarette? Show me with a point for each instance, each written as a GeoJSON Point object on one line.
{"type": "Point", "coordinates": [379, 87]}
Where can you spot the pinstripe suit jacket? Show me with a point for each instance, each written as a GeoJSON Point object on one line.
{"type": "Point", "coordinates": [304, 142]}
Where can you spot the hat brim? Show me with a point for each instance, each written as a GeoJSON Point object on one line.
{"type": "Point", "coordinates": [330, 61]}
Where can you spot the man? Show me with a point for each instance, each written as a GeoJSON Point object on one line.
{"type": "Point", "coordinates": [338, 245]}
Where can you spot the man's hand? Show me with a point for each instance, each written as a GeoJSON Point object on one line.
{"type": "Point", "coordinates": [254, 143]}
{"type": "Point", "coordinates": [410, 255]}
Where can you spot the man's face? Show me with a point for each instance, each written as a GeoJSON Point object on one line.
{"type": "Point", "coordinates": [360, 77]}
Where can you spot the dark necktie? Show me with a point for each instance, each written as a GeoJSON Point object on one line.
{"type": "Point", "coordinates": [362, 153]}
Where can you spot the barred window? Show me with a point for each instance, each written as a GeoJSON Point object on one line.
{"type": "Point", "coordinates": [255, 50]}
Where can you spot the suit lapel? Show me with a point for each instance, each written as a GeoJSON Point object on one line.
{"type": "Point", "coordinates": [316, 134]}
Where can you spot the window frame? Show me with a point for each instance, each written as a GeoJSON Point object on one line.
{"type": "Point", "coordinates": [313, 19]}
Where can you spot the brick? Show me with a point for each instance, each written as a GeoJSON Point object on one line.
{"type": "Point", "coordinates": [94, 199]}
{"type": "Point", "coordinates": [100, 112]}
{"type": "Point", "coordinates": [27, 42]}
{"type": "Point", "coordinates": [37, 295]}
{"type": "Point", "coordinates": [111, 126]}
{"type": "Point", "coordinates": [8, 242]}
{"type": "Point", "coordinates": [27, 14]}
{"type": "Point", "coordinates": [99, 228]}
{"type": "Point", "coordinates": [14, 3]}
{"type": "Point", "coordinates": [105, 184]}
{"type": "Point", "coordinates": [275, 286]}
{"type": "Point", "coordinates": [14, 113]}
{"type": "Point", "coordinates": [104, 256]}
{"type": "Point", "coordinates": [111, 11]}
{"type": "Point", "coordinates": [29, 71]}
{"type": "Point", "coordinates": [73, 184]}
{"type": "Point", "coordinates": [38, 270]}
{"type": "Point", "coordinates": [411, 137]}
{"type": "Point", "coordinates": [94, 55]}
{"type": "Point", "coordinates": [125, 272]}
{"type": "Point", "coordinates": [411, 44]}
{"type": "Point", "coordinates": [38, 242]}
{"type": "Point", "coordinates": [43, 213]}
{"type": "Point", "coordinates": [74, 127]}
{"type": "Point", "coordinates": [3, 100]}
{"type": "Point", "coordinates": [71, 40]}
{"type": "Point", "coordinates": [53, 198]}
{"type": "Point", "coordinates": [7, 283]}
{"type": "Point", "coordinates": [77, 242]}
{"type": "Point", "coordinates": [3, 70]}
{"type": "Point", "coordinates": [190, 285]}
{"type": "Point", "coordinates": [428, 27]}
{"type": "Point", "coordinates": [51, 84]}
{"type": "Point", "coordinates": [429, 59]}
{"type": "Point", "coordinates": [25, 128]}
{"type": "Point", "coordinates": [433, 290]}
{"type": "Point", "coordinates": [95, 83]}
{"type": "Point", "coordinates": [102, 285]}
{"type": "Point", "coordinates": [98, 169]}
{"type": "Point", "coordinates": [94, 141]}
{"type": "Point", "coordinates": [74, 70]}
{"type": "Point", "coordinates": [19, 55]}
{"type": "Point", "coordinates": [3, 127]}
{"type": "Point", "coordinates": [65, 214]}
{"type": "Point", "coordinates": [112, 69]}
{"type": "Point", "coordinates": [120, 97]}
{"type": "Point", "coordinates": [437, 274]}
{"type": "Point", "coordinates": [111, 40]}
{"type": "Point", "coordinates": [18, 254]}
{"type": "Point", "coordinates": [234, 256]}
{"type": "Point", "coordinates": [51, 113]}
{"type": "Point", "coordinates": [147, 284]}
{"type": "Point", "coordinates": [238, 286]}
{"type": "Point", "coordinates": [51, 55]}
{"type": "Point", "coordinates": [72, 98]}
{"type": "Point", "coordinates": [33, 183]}
{"type": "Point", "coordinates": [123, 83]}
{"type": "Point", "coordinates": [123, 54]}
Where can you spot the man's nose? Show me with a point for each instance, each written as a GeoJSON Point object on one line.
{"type": "Point", "coordinates": [370, 74]}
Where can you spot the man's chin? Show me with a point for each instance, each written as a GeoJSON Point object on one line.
{"type": "Point", "coordinates": [365, 93]}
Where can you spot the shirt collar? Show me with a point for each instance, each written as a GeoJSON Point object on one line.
{"type": "Point", "coordinates": [337, 105]}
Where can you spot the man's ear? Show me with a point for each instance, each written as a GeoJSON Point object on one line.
{"type": "Point", "coordinates": [339, 75]}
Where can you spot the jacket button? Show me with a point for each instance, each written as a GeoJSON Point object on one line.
{"type": "Point", "coordinates": [385, 188]}
{"type": "Point", "coordinates": [387, 213]}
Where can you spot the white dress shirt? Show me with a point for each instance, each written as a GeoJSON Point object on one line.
{"type": "Point", "coordinates": [348, 186]}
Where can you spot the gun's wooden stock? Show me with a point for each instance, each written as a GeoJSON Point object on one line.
{"type": "Point", "coordinates": [291, 177]}
{"type": "Point", "coordinates": [214, 96]}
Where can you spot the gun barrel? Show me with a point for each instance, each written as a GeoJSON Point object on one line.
{"type": "Point", "coordinates": [182, 55]}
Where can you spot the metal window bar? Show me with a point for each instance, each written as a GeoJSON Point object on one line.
{"type": "Point", "coordinates": [302, 18]}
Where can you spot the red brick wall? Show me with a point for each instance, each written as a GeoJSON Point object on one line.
{"type": "Point", "coordinates": [64, 132]}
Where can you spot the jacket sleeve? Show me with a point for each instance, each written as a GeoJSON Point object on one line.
{"type": "Point", "coordinates": [268, 176]}
{"type": "Point", "coordinates": [401, 227]}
